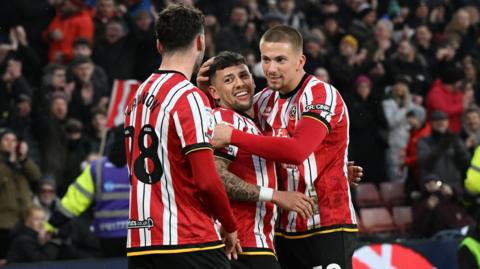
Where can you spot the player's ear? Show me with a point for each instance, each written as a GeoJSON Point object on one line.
{"type": "Point", "coordinates": [159, 47]}
{"type": "Point", "coordinates": [213, 92]}
{"type": "Point", "coordinates": [301, 62]}
{"type": "Point", "coordinates": [200, 42]}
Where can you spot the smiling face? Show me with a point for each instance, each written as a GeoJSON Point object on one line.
{"type": "Point", "coordinates": [282, 65]}
{"type": "Point", "coordinates": [234, 87]}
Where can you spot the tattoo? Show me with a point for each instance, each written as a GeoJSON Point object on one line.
{"type": "Point", "coordinates": [236, 188]}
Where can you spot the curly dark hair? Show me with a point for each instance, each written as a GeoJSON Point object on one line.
{"type": "Point", "coordinates": [223, 60]}
{"type": "Point", "coordinates": [177, 26]}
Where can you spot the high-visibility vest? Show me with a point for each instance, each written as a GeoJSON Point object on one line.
{"type": "Point", "coordinates": [473, 246]}
{"type": "Point", "coordinates": [472, 182]}
{"type": "Point", "coordinates": [109, 188]}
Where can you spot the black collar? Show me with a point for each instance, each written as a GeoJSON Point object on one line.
{"type": "Point", "coordinates": [292, 93]}
{"type": "Point", "coordinates": [158, 71]}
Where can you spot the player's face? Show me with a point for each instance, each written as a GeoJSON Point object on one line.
{"type": "Point", "coordinates": [281, 64]}
{"type": "Point", "coordinates": [234, 87]}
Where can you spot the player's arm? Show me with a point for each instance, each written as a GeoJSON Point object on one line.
{"type": "Point", "coordinates": [309, 134]}
{"type": "Point", "coordinates": [240, 190]}
{"type": "Point", "coordinates": [236, 188]}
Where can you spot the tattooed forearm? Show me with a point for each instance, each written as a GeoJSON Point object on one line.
{"type": "Point", "coordinates": [236, 188]}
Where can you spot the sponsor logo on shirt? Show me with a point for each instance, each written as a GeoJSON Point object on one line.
{"type": "Point", "coordinates": [139, 224]}
{"type": "Point", "coordinates": [319, 107]}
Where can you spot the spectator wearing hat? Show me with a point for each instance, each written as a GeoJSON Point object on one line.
{"type": "Point", "coordinates": [17, 174]}
{"type": "Point", "coordinates": [419, 128]}
{"type": "Point", "coordinates": [396, 105]}
{"type": "Point", "coordinates": [71, 21]}
{"type": "Point", "coordinates": [367, 131]}
{"type": "Point", "coordinates": [363, 25]}
{"type": "Point", "coordinates": [443, 153]}
{"type": "Point", "coordinates": [345, 66]}
{"type": "Point", "coordinates": [446, 95]}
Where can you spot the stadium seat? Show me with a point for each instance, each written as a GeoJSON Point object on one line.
{"type": "Point", "coordinates": [402, 216]}
{"type": "Point", "coordinates": [367, 195]}
{"type": "Point", "coordinates": [393, 192]}
{"type": "Point", "coordinates": [377, 220]}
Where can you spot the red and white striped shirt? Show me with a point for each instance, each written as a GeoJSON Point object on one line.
{"type": "Point", "coordinates": [323, 175]}
{"type": "Point", "coordinates": [256, 221]}
{"type": "Point", "coordinates": [168, 118]}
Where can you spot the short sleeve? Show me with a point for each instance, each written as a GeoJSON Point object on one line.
{"type": "Point", "coordinates": [193, 122]}
{"type": "Point", "coordinates": [320, 102]}
{"type": "Point", "coordinates": [223, 115]}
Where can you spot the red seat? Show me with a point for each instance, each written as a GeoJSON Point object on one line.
{"type": "Point", "coordinates": [393, 192]}
{"type": "Point", "coordinates": [402, 216]}
{"type": "Point", "coordinates": [367, 195]}
{"type": "Point", "coordinates": [377, 219]}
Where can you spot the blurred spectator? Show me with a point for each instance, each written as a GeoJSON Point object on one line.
{"type": "Point", "coordinates": [345, 66]}
{"type": "Point", "coordinates": [105, 12]}
{"type": "Point", "coordinates": [294, 17]}
{"type": "Point", "coordinates": [446, 95]}
{"type": "Point", "coordinates": [442, 154]}
{"type": "Point", "coordinates": [322, 74]}
{"type": "Point", "coordinates": [314, 52]}
{"type": "Point", "coordinates": [438, 209]}
{"type": "Point", "coordinates": [419, 129]}
{"type": "Point", "coordinates": [78, 149]}
{"type": "Point", "coordinates": [471, 128]}
{"type": "Point", "coordinates": [406, 62]}
{"type": "Point", "coordinates": [368, 140]}
{"type": "Point", "coordinates": [471, 69]}
{"type": "Point", "coordinates": [104, 183]}
{"type": "Point", "coordinates": [240, 35]}
{"type": "Point", "coordinates": [381, 46]}
{"type": "Point", "coordinates": [460, 25]}
{"type": "Point", "coordinates": [89, 90]}
{"type": "Point", "coordinates": [272, 19]}
{"type": "Point", "coordinates": [424, 45]}
{"type": "Point", "coordinates": [146, 55]}
{"type": "Point", "coordinates": [17, 174]}
{"type": "Point", "coordinates": [46, 197]}
{"type": "Point", "coordinates": [115, 52]}
{"type": "Point", "coordinates": [396, 105]}
{"type": "Point", "coordinates": [420, 13]}
{"type": "Point", "coordinates": [362, 26]}
{"type": "Point", "coordinates": [332, 30]}
{"type": "Point", "coordinates": [31, 243]}
{"type": "Point", "coordinates": [71, 21]}
{"type": "Point", "coordinates": [96, 129]}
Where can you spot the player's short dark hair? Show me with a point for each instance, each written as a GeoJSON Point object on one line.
{"type": "Point", "coordinates": [177, 26]}
{"type": "Point", "coordinates": [223, 60]}
{"type": "Point", "coordinates": [284, 34]}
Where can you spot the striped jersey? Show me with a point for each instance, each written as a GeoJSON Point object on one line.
{"type": "Point", "coordinates": [168, 118]}
{"type": "Point", "coordinates": [323, 175]}
{"type": "Point", "coordinates": [256, 220]}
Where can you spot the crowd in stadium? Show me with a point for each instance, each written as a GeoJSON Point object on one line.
{"type": "Point", "coordinates": [407, 71]}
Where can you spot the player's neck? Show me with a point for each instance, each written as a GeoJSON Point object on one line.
{"type": "Point", "coordinates": [180, 63]}
{"type": "Point", "coordinates": [294, 83]}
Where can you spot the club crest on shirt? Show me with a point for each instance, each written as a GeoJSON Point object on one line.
{"type": "Point", "coordinates": [293, 113]}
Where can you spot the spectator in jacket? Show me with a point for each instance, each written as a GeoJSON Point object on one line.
{"type": "Point", "coordinates": [446, 95]}
{"type": "Point", "coordinates": [438, 209]}
{"type": "Point", "coordinates": [70, 22]}
{"type": "Point", "coordinates": [31, 243]}
{"type": "Point", "coordinates": [419, 129]}
{"type": "Point", "coordinates": [443, 153]}
{"type": "Point", "coordinates": [46, 198]}
{"type": "Point", "coordinates": [17, 174]}
{"type": "Point", "coordinates": [396, 107]}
